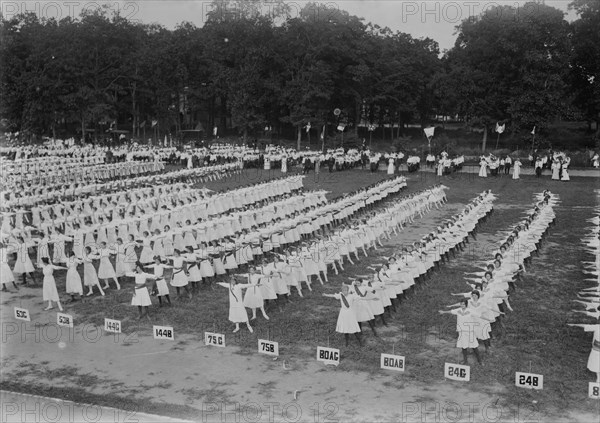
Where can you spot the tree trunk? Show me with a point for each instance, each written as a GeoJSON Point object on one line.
{"type": "Point", "coordinates": [223, 128]}
{"type": "Point", "coordinates": [485, 135]}
{"type": "Point", "coordinates": [299, 139]}
{"type": "Point", "coordinates": [133, 111]}
{"type": "Point", "coordinates": [82, 129]}
{"type": "Point", "coordinates": [357, 118]}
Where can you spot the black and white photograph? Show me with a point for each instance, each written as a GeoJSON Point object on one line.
{"type": "Point", "coordinates": [272, 211]}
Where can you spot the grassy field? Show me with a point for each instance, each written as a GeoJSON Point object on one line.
{"type": "Point", "coordinates": [537, 338]}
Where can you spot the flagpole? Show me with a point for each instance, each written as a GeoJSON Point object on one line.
{"type": "Point", "coordinates": [497, 140]}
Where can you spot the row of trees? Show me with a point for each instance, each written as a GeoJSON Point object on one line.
{"type": "Point", "coordinates": [249, 70]}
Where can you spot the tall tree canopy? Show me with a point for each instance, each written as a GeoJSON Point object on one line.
{"type": "Point", "coordinates": [254, 65]}
{"type": "Point", "coordinates": [509, 64]}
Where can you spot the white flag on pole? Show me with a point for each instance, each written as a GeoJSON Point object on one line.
{"type": "Point", "coordinates": [500, 128]}
{"type": "Point", "coordinates": [429, 132]}
{"type": "Point", "coordinates": [533, 131]}
{"type": "Point", "coordinates": [308, 127]}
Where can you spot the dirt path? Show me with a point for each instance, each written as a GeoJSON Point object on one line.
{"type": "Point", "coordinates": [18, 407]}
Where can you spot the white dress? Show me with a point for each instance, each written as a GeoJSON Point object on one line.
{"type": "Point", "coordinates": [482, 327]}
{"type": "Point", "coordinates": [90, 277]}
{"type": "Point", "coordinates": [253, 297]}
{"type": "Point", "coordinates": [565, 173]}
{"type": "Point", "coordinates": [105, 269]}
{"type": "Point", "coordinates": [237, 311]}
{"type": "Point", "coordinates": [267, 288]}
{"type": "Point", "coordinates": [276, 272]}
{"type": "Point", "coordinates": [593, 363]}
{"type": "Point", "coordinates": [130, 255]}
{"type": "Point", "coordinates": [73, 284]}
{"type": "Point", "coordinates": [346, 321]}
{"type": "Point", "coordinates": [360, 307]}
{"type": "Point", "coordinates": [483, 169]}
{"type": "Point", "coordinates": [43, 250]}
{"type": "Point", "coordinates": [516, 169]}
{"type": "Point", "coordinates": [192, 267]}
{"type": "Point", "coordinates": [373, 300]}
{"type": "Point", "coordinates": [49, 291]}
{"type": "Point", "coordinates": [465, 326]}
{"type": "Point", "coordinates": [161, 283]}
{"type": "Point", "coordinates": [59, 254]}
{"type": "Point", "coordinates": [23, 263]}
{"type": "Point", "coordinates": [146, 256]}
{"type": "Point", "coordinates": [6, 275]}
{"type": "Point", "coordinates": [555, 171]}
{"type": "Point", "coordinates": [179, 278]}
{"type": "Point", "coordinates": [141, 297]}
{"type": "Point", "coordinates": [390, 169]}
{"type": "Point", "coordinates": [122, 265]}
{"type": "Point", "coordinates": [78, 242]}
{"type": "Point", "coordinates": [206, 268]}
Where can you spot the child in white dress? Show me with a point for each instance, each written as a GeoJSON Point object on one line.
{"type": "Point", "coordinates": [346, 321]}
{"type": "Point", "coordinates": [237, 311]}
{"type": "Point", "coordinates": [49, 292]}
{"type": "Point", "coordinates": [161, 289]}
{"type": "Point", "coordinates": [146, 256]}
{"type": "Point", "coordinates": [465, 326]}
{"type": "Point", "coordinates": [73, 284]}
{"type": "Point", "coordinates": [254, 298]}
{"type": "Point", "coordinates": [90, 277]}
{"type": "Point", "coordinates": [180, 274]}
{"type": "Point", "coordinates": [6, 275]}
{"type": "Point", "coordinates": [122, 267]}
{"type": "Point", "coordinates": [23, 264]}
{"type": "Point", "coordinates": [141, 297]}
{"type": "Point", "coordinates": [106, 270]}
{"type": "Point", "coordinates": [195, 276]}
{"type": "Point", "coordinates": [517, 169]}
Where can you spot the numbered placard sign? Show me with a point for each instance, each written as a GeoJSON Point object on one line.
{"type": "Point", "coordinates": [392, 362]}
{"type": "Point", "coordinates": [214, 339]}
{"type": "Point", "coordinates": [594, 390]}
{"type": "Point", "coordinates": [457, 372]}
{"type": "Point", "coordinates": [328, 355]}
{"type": "Point", "coordinates": [163, 332]}
{"type": "Point", "coordinates": [64, 320]}
{"type": "Point", "coordinates": [268, 347]}
{"type": "Point", "coordinates": [22, 314]}
{"type": "Point", "coordinates": [529, 380]}
{"type": "Point", "coordinates": [111, 325]}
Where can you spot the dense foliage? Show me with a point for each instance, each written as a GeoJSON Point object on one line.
{"type": "Point", "coordinates": [248, 71]}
